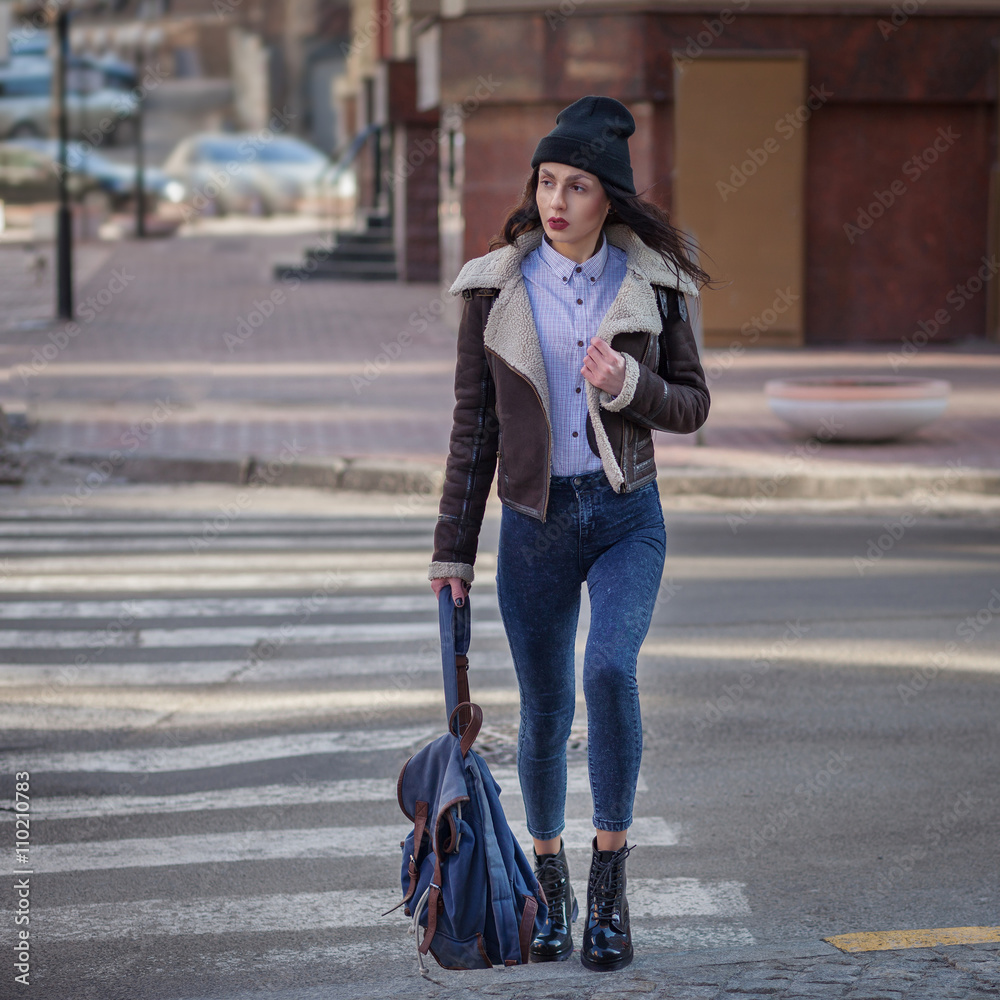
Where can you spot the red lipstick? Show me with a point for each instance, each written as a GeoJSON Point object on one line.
{"type": "Point", "coordinates": [557, 223]}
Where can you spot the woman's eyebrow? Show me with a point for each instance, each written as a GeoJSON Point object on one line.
{"type": "Point", "coordinates": [571, 177]}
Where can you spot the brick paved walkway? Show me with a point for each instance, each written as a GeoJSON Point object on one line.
{"type": "Point", "coordinates": [189, 346]}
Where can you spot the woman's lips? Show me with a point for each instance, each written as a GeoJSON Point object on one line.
{"type": "Point", "coordinates": [557, 223]}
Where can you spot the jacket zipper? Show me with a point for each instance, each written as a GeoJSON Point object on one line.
{"type": "Point", "coordinates": [548, 428]}
{"type": "Point", "coordinates": [626, 428]}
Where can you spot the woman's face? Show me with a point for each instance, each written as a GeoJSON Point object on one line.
{"type": "Point", "coordinates": [573, 206]}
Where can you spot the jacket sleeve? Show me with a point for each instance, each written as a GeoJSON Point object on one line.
{"type": "Point", "coordinates": [675, 397]}
{"type": "Point", "coordinates": [472, 454]}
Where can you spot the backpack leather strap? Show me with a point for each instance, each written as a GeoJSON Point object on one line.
{"type": "Point", "coordinates": [528, 927]}
{"type": "Point", "coordinates": [413, 870]}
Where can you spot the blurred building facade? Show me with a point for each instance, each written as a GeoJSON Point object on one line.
{"type": "Point", "coordinates": [271, 54]}
{"type": "Point", "coordinates": [836, 162]}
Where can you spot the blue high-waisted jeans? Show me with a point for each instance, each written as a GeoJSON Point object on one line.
{"type": "Point", "coordinates": [617, 543]}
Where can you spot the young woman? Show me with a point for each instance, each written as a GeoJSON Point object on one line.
{"type": "Point", "coordinates": [574, 345]}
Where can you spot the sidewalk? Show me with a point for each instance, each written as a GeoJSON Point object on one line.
{"type": "Point", "coordinates": [189, 362]}
{"type": "Point", "coordinates": [801, 971]}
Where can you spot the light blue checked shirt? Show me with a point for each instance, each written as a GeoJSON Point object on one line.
{"type": "Point", "coordinates": [568, 302]}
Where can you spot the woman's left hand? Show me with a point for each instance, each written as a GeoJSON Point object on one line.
{"type": "Point", "coordinates": [604, 367]}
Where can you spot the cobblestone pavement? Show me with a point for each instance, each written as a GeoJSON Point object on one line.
{"type": "Point", "coordinates": [796, 973]}
{"type": "Point", "coordinates": [356, 369]}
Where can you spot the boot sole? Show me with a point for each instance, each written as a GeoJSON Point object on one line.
{"type": "Point", "coordinates": [561, 957]}
{"type": "Point", "coordinates": [606, 966]}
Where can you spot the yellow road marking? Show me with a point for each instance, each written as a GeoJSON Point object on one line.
{"type": "Point", "coordinates": [893, 940]}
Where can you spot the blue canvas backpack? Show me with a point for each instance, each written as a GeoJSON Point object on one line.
{"type": "Point", "coordinates": [466, 881]}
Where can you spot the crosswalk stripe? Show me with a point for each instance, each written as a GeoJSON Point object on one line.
{"type": "Point", "coordinates": [287, 576]}
{"type": "Point", "coordinates": [412, 662]}
{"type": "Point", "coordinates": [291, 632]}
{"type": "Point", "coordinates": [158, 760]}
{"type": "Point", "coordinates": [220, 562]}
{"type": "Point", "coordinates": [198, 541]}
{"type": "Point", "coordinates": [284, 844]}
{"type": "Point", "coordinates": [246, 526]}
{"type": "Point", "coordinates": [232, 607]}
{"type": "Point", "coordinates": [246, 701]}
{"type": "Point", "coordinates": [360, 908]}
{"type": "Point", "coordinates": [263, 797]}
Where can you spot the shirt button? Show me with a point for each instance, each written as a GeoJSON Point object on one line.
{"type": "Point", "coordinates": [593, 279]}
{"type": "Point", "coordinates": [575, 434]}
{"type": "Point", "coordinates": [566, 279]}
{"type": "Point", "coordinates": [579, 302]}
{"type": "Point", "coordinates": [578, 389]}
{"type": "Point", "coordinates": [579, 269]}
{"type": "Point", "coordinates": [579, 343]}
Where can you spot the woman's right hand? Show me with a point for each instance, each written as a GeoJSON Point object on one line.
{"type": "Point", "coordinates": [459, 588]}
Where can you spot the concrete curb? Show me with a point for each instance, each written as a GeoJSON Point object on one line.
{"type": "Point", "coordinates": [377, 475]}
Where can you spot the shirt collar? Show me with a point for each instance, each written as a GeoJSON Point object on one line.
{"type": "Point", "coordinates": [592, 267]}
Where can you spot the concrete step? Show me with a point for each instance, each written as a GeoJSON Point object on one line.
{"type": "Point", "coordinates": [378, 252]}
{"type": "Point", "coordinates": [339, 269]}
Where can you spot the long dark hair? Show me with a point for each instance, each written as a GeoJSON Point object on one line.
{"type": "Point", "coordinates": [648, 221]}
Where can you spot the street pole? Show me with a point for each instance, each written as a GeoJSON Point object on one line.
{"type": "Point", "coordinates": [140, 152]}
{"type": "Point", "coordinates": [64, 217]}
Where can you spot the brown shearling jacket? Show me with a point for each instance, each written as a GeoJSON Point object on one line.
{"type": "Point", "coordinates": [501, 414]}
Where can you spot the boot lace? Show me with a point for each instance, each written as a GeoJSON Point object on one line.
{"type": "Point", "coordinates": [606, 880]}
{"type": "Point", "coordinates": [551, 877]}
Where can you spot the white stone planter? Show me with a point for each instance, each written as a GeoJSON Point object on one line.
{"type": "Point", "coordinates": [857, 407]}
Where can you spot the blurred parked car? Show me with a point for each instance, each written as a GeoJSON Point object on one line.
{"type": "Point", "coordinates": [245, 173]}
{"type": "Point", "coordinates": [96, 104]}
{"type": "Point", "coordinates": [29, 172]}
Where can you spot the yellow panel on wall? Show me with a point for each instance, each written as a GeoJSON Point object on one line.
{"type": "Point", "coordinates": [739, 187]}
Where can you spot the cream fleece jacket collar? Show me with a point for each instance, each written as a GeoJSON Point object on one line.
{"type": "Point", "coordinates": [510, 330]}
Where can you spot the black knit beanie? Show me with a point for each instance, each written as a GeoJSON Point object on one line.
{"type": "Point", "coordinates": [592, 134]}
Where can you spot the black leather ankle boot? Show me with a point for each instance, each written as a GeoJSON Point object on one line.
{"type": "Point", "coordinates": [607, 935]}
{"type": "Point", "coordinates": [553, 940]}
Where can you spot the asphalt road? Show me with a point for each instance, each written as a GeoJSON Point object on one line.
{"type": "Point", "coordinates": [213, 708]}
